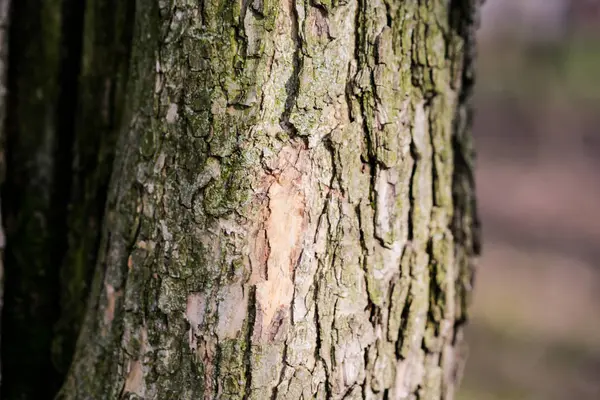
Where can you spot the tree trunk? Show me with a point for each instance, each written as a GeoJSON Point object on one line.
{"type": "Point", "coordinates": [32, 198]}
{"type": "Point", "coordinates": [291, 208]}
{"type": "Point", "coordinates": [67, 67]}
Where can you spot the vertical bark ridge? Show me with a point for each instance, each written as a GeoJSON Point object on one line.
{"type": "Point", "coordinates": [464, 20]}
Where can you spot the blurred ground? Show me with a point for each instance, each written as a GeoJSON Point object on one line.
{"type": "Point", "coordinates": [535, 329]}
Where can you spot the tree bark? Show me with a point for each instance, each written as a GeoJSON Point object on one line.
{"type": "Point", "coordinates": [291, 210]}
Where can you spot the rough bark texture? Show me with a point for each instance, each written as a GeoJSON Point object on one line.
{"type": "Point", "coordinates": [291, 210]}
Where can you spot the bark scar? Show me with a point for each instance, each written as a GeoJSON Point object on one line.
{"type": "Point", "coordinates": [112, 296]}
{"type": "Point", "coordinates": [277, 244]}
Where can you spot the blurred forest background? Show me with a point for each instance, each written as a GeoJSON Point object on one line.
{"type": "Point", "coordinates": [535, 332]}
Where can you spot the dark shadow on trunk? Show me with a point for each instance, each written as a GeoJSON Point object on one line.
{"type": "Point", "coordinates": [44, 60]}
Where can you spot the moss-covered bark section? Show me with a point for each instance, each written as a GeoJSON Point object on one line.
{"type": "Point", "coordinates": [286, 219]}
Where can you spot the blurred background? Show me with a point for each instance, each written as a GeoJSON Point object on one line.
{"type": "Point", "coordinates": [535, 329]}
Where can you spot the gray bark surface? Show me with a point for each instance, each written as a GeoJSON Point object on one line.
{"type": "Point", "coordinates": [291, 210]}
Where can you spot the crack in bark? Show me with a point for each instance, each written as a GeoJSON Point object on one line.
{"type": "Point", "coordinates": [240, 29]}
{"type": "Point", "coordinates": [282, 373]}
{"type": "Point", "coordinates": [318, 355]}
{"type": "Point", "coordinates": [292, 86]}
{"type": "Point", "coordinates": [248, 342]}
